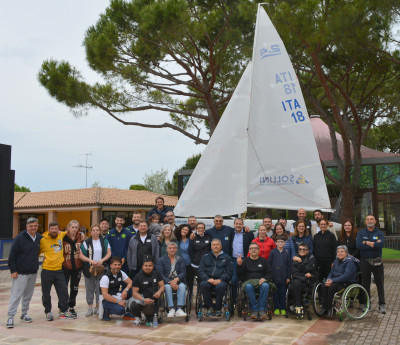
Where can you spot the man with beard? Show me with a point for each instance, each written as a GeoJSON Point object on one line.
{"type": "Point", "coordinates": [318, 216]}
{"type": "Point", "coordinates": [192, 222]}
{"type": "Point", "coordinates": [51, 245]}
{"type": "Point", "coordinates": [170, 219]}
{"type": "Point", "coordinates": [301, 215]}
{"type": "Point", "coordinates": [136, 218]}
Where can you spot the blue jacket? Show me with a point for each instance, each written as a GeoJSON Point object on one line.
{"type": "Point", "coordinates": [119, 242]}
{"type": "Point", "coordinates": [24, 254]}
{"type": "Point", "coordinates": [280, 263]}
{"type": "Point", "coordinates": [161, 213]}
{"type": "Point", "coordinates": [225, 234]}
{"type": "Point", "coordinates": [216, 267]}
{"type": "Point", "coordinates": [294, 242]}
{"type": "Point", "coordinates": [343, 271]}
{"type": "Point", "coordinates": [164, 267]}
{"type": "Point", "coordinates": [373, 236]}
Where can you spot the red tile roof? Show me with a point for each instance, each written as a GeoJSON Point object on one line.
{"type": "Point", "coordinates": [89, 196]}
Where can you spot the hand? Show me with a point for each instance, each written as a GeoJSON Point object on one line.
{"type": "Point", "coordinates": [124, 294]}
{"type": "Point", "coordinates": [239, 260]}
{"type": "Point", "coordinates": [157, 295]}
{"type": "Point", "coordinates": [123, 261]}
{"type": "Point", "coordinates": [330, 224]}
{"type": "Point", "coordinates": [211, 281]}
{"type": "Point", "coordinates": [216, 281]}
{"type": "Point", "coordinates": [99, 263]}
{"type": "Point", "coordinates": [174, 286]}
{"type": "Point", "coordinates": [287, 281]}
{"type": "Point", "coordinates": [328, 283]}
{"type": "Point", "coordinates": [14, 275]}
{"type": "Point", "coordinates": [246, 229]}
{"type": "Point", "coordinates": [148, 301]}
{"type": "Point", "coordinates": [93, 263]}
{"type": "Point", "coordinates": [296, 258]}
{"type": "Point", "coordinates": [192, 236]}
{"type": "Point", "coordinates": [262, 280]}
{"type": "Point", "coordinates": [122, 302]}
{"type": "Point", "coordinates": [308, 275]}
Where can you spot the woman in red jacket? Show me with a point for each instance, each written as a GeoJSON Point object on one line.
{"type": "Point", "coordinates": [265, 243]}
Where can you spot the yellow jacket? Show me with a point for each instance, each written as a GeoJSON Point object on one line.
{"type": "Point", "coordinates": [52, 248]}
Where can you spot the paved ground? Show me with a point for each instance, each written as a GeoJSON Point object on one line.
{"type": "Point", "coordinates": [375, 328]}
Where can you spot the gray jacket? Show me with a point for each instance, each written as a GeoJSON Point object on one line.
{"type": "Point", "coordinates": [132, 251]}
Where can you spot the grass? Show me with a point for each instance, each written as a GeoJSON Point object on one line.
{"type": "Point", "coordinates": [390, 254]}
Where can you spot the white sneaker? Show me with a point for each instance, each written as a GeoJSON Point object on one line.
{"type": "Point", "coordinates": [137, 322]}
{"type": "Point", "coordinates": [180, 313]}
{"type": "Point", "coordinates": [171, 312]}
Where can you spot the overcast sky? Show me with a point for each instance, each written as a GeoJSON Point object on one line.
{"type": "Point", "coordinates": [46, 139]}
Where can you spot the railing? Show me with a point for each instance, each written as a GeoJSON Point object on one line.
{"type": "Point", "coordinates": [392, 242]}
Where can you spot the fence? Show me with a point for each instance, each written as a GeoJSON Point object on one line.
{"type": "Point", "coordinates": [392, 242]}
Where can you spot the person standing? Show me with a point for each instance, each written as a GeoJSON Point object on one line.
{"type": "Point", "coordinates": [160, 209]}
{"type": "Point", "coordinates": [23, 263]}
{"type": "Point", "coordinates": [370, 241]}
{"type": "Point", "coordinates": [72, 265]}
{"type": "Point", "coordinates": [347, 237]}
{"type": "Point", "coordinates": [301, 215]}
{"type": "Point", "coordinates": [136, 218]}
{"type": "Point", "coordinates": [104, 227]}
{"type": "Point", "coordinates": [51, 245]}
{"type": "Point", "coordinates": [265, 243]}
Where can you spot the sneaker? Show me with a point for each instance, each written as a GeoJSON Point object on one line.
{"type": "Point", "coordinates": [66, 315]}
{"type": "Point", "coordinates": [329, 314]}
{"type": "Point", "coordinates": [253, 315]}
{"type": "Point", "coordinates": [89, 312]}
{"type": "Point", "coordinates": [382, 309]}
{"type": "Point", "coordinates": [277, 312]}
{"type": "Point", "coordinates": [96, 311]}
{"type": "Point", "coordinates": [263, 315]}
{"type": "Point", "coordinates": [10, 323]}
{"type": "Point", "coordinates": [106, 315]}
{"type": "Point", "coordinates": [283, 312]}
{"type": "Point", "coordinates": [49, 316]}
{"type": "Point", "coordinates": [26, 318]}
{"type": "Point", "coordinates": [218, 313]}
{"type": "Point", "coordinates": [128, 316]}
{"type": "Point", "coordinates": [171, 312]}
{"type": "Point", "coordinates": [180, 313]}
{"type": "Point", "coordinates": [299, 312]}
{"type": "Point", "coordinates": [210, 312]}
{"type": "Point", "coordinates": [149, 324]}
{"type": "Point", "coordinates": [137, 322]}
{"type": "Point", "coordinates": [73, 312]}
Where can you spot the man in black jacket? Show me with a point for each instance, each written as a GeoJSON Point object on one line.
{"type": "Point", "coordinates": [23, 262]}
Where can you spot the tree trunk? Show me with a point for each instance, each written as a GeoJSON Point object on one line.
{"type": "Point", "coordinates": [347, 202]}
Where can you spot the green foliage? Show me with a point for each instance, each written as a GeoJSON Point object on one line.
{"type": "Point", "coordinates": [385, 136]}
{"type": "Point", "coordinates": [191, 163]}
{"type": "Point", "coordinates": [137, 187]}
{"type": "Point", "coordinates": [388, 253]}
{"type": "Point", "coordinates": [157, 182]}
{"type": "Point", "coordinates": [18, 188]}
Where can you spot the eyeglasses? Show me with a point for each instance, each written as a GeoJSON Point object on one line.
{"type": "Point", "coordinates": [303, 250]}
{"type": "Point", "coordinates": [218, 221]}
{"type": "Point", "coordinates": [254, 248]}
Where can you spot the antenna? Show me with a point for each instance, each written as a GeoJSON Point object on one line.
{"type": "Point", "coordinates": [86, 166]}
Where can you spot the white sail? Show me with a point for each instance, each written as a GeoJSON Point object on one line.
{"type": "Point", "coordinates": [284, 169]}
{"type": "Point", "coordinates": [218, 185]}
{"type": "Point", "coordinates": [263, 152]}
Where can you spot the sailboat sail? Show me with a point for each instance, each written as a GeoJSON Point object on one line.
{"type": "Point", "coordinates": [263, 152]}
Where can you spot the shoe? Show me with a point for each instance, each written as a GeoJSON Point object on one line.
{"type": "Point", "coordinates": [180, 313]}
{"type": "Point", "coordinates": [128, 316]}
{"type": "Point", "coordinates": [73, 312]}
{"type": "Point", "coordinates": [106, 315]}
{"type": "Point", "coordinates": [277, 312]}
{"type": "Point", "coordinates": [254, 315]}
{"type": "Point", "coordinates": [329, 314]}
{"type": "Point", "coordinates": [149, 324]}
{"type": "Point", "coordinates": [283, 312]}
{"type": "Point", "coordinates": [171, 312]}
{"type": "Point", "coordinates": [382, 309]}
{"type": "Point", "coordinates": [210, 312]}
{"type": "Point", "coordinates": [89, 312]}
{"type": "Point", "coordinates": [26, 318]}
{"type": "Point", "coordinates": [49, 316]}
{"type": "Point", "coordinates": [299, 312]}
{"type": "Point", "coordinates": [137, 322]}
{"type": "Point", "coordinates": [96, 311]}
{"type": "Point", "coordinates": [263, 315]}
{"type": "Point", "coordinates": [218, 313]}
{"type": "Point", "coordinates": [66, 315]}
{"type": "Point", "coordinates": [10, 322]}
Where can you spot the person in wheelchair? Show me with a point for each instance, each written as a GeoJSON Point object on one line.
{"type": "Point", "coordinates": [343, 273]}
{"type": "Point", "coordinates": [173, 271]}
{"type": "Point", "coordinates": [147, 287]}
{"type": "Point", "coordinates": [254, 271]}
{"type": "Point", "coordinates": [303, 276]}
{"type": "Point", "coordinates": [215, 271]}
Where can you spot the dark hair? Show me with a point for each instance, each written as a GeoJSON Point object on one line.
{"type": "Point", "coordinates": [160, 198]}
{"type": "Point", "coordinates": [104, 220]}
{"type": "Point", "coordinates": [142, 221]}
{"type": "Point", "coordinates": [115, 258]}
{"type": "Point", "coordinates": [200, 223]}
{"type": "Point", "coordinates": [318, 211]}
{"type": "Point", "coordinates": [136, 212]}
{"type": "Point", "coordinates": [280, 237]}
{"type": "Point", "coordinates": [303, 244]}
{"type": "Point", "coordinates": [296, 232]}
{"type": "Point", "coordinates": [155, 215]}
{"type": "Point", "coordinates": [120, 215]}
{"type": "Point", "coordinates": [148, 258]}
{"type": "Point", "coordinates": [284, 235]}
{"type": "Point", "coordinates": [53, 224]}
{"type": "Point", "coordinates": [353, 234]}
{"type": "Point", "coordinates": [178, 231]}
{"type": "Point", "coordinates": [268, 216]}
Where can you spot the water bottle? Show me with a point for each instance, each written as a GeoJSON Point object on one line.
{"type": "Point", "coordinates": [155, 320]}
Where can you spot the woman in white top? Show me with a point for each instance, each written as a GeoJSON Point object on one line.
{"type": "Point", "coordinates": [95, 251]}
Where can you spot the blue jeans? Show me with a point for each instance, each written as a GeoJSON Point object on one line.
{"type": "Point", "coordinates": [280, 296]}
{"type": "Point", "coordinates": [113, 308]}
{"type": "Point", "coordinates": [262, 298]}
{"type": "Point", "coordinates": [180, 295]}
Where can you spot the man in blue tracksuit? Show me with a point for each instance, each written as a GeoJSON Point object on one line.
{"type": "Point", "coordinates": [119, 238]}
{"type": "Point", "coordinates": [224, 233]}
{"type": "Point", "coordinates": [370, 242]}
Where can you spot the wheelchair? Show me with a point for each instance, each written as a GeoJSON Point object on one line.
{"type": "Point", "coordinates": [243, 305]}
{"type": "Point", "coordinates": [306, 300]}
{"type": "Point", "coordinates": [227, 304]}
{"type": "Point", "coordinates": [351, 301]}
{"type": "Point", "coordinates": [163, 306]}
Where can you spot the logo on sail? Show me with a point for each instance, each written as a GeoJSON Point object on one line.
{"type": "Point", "coordinates": [272, 50]}
{"type": "Point", "coordinates": [282, 180]}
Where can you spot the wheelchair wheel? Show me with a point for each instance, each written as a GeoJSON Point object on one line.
{"type": "Point", "coordinates": [196, 306]}
{"type": "Point", "coordinates": [309, 316]}
{"type": "Point", "coordinates": [351, 301]}
{"type": "Point", "coordinates": [317, 298]}
{"type": "Point", "coordinates": [188, 305]}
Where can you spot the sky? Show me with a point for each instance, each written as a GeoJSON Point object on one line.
{"type": "Point", "coordinates": [47, 141]}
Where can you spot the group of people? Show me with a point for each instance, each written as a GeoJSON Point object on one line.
{"type": "Point", "coordinates": [127, 269]}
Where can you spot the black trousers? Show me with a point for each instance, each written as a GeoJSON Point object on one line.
{"type": "Point", "coordinates": [377, 271]}
{"type": "Point", "coordinates": [56, 278]}
{"type": "Point", "coordinates": [324, 266]}
{"type": "Point", "coordinates": [75, 277]}
{"type": "Point", "coordinates": [149, 312]}
{"type": "Point", "coordinates": [329, 292]}
{"type": "Point", "coordinates": [191, 272]}
{"type": "Point", "coordinates": [297, 287]}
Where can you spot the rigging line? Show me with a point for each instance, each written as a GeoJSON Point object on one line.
{"type": "Point", "coordinates": [265, 175]}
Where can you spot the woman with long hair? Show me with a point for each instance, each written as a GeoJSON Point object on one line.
{"type": "Point", "coordinates": [166, 236]}
{"type": "Point", "coordinates": [279, 230]}
{"type": "Point", "coordinates": [182, 234]}
{"type": "Point", "coordinates": [95, 252]}
{"type": "Point", "coordinates": [300, 235]}
{"type": "Point", "coordinates": [347, 237]}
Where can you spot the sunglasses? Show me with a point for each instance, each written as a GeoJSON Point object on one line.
{"type": "Point", "coordinates": [303, 250]}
